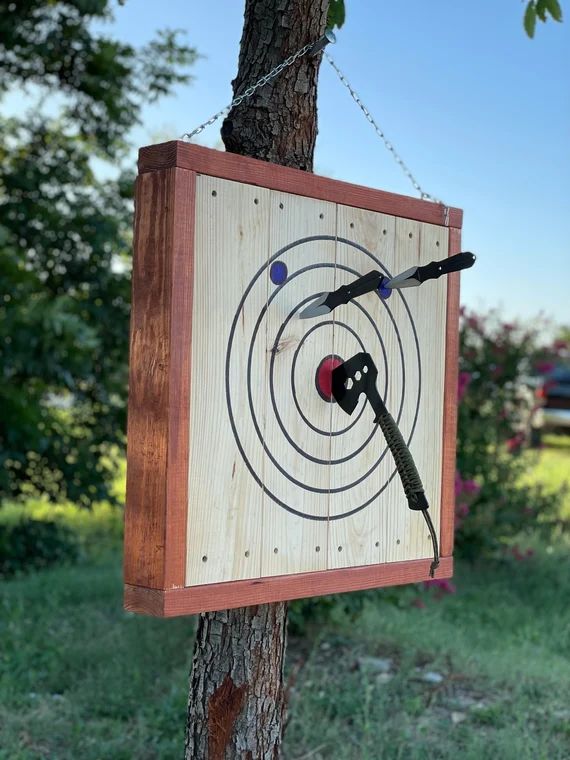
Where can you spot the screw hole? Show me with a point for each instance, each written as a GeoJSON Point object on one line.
{"type": "Point", "coordinates": [321, 216]}
{"type": "Point", "coordinates": [276, 551]}
{"type": "Point", "coordinates": [317, 548]}
{"type": "Point", "coordinates": [214, 193]}
{"type": "Point", "coordinates": [204, 558]}
{"type": "Point", "coordinates": [281, 205]}
{"type": "Point", "coordinates": [384, 232]}
{"type": "Point", "coordinates": [437, 243]}
{"type": "Point", "coordinates": [247, 553]}
{"type": "Point", "coordinates": [351, 225]}
{"type": "Point", "coordinates": [410, 234]}
{"type": "Point", "coordinates": [340, 548]}
{"type": "Point", "coordinates": [256, 201]}
{"type": "Point", "coordinates": [397, 540]}
{"type": "Point", "coordinates": [377, 543]}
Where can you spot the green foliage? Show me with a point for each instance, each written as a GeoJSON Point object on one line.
{"type": "Point", "coordinates": [540, 9]}
{"type": "Point", "coordinates": [493, 504]}
{"type": "Point", "coordinates": [35, 544]}
{"type": "Point", "coordinates": [65, 236]}
{"type": "Point", "coordinates": [336, 15]}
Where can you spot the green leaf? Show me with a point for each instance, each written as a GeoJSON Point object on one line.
{"type": "Point", "coordinates": [530, 19]}
{"type": "Point", "coordinates": [554, 9]}
{"type": "Point", "coordinates": [336, 15]}
{"type": "Point", "coordinates": [541, 9]}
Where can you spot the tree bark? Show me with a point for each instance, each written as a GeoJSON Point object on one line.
{"type": "Point", "coordinates": [237, 700]}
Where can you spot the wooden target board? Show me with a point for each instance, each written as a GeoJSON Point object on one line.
{"type": "Point", "coordinates": [245, 482]}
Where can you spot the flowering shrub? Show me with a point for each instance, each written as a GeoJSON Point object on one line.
{"type": "Point", "coordinates": [495, 409]}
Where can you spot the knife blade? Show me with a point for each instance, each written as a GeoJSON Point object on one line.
{"type": "Point", "coordinates": [326, 302]}
{"type": "Point", "coordinates": [417, 275]}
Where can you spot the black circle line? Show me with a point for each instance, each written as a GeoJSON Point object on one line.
{"type": "Point", "coordinates": [254, 475]}
{"type": "Point", "coordinates": [312, 489]}
{"type": "Point", "coordinates": [294, 390]}
{"type": "Point", "coordinates": [342, 324]}
{"type": "Point", "coordinates": [250, 399]}
{"type": "Point", "coordinates": [297, 448]}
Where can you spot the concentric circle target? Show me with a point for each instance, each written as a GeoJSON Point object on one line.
{"type": "Point", "coordinates": [286, 407]}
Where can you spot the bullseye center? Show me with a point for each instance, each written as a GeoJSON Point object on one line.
{"type": "Point", "coordinates": [323, 376]}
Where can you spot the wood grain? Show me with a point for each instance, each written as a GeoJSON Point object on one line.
{"type": "Point", "coordinates": [189, 601]}
{"type": "Point", "coordinates": [450, 402]}
{"type": "Point", "coordinates": [290, 541]}
{"type": "Point", "coordinates": [157, 456]}
{"type": "Point", "coordinates": [251, 171]}
{"type": "Point", "coordinates": [225, 502]}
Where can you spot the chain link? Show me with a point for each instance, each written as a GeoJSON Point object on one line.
{"type": "Point", "coordinates": [397, 158]}
{"type": "Point", "coordinates": [251, 90]}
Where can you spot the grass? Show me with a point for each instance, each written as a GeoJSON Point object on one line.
{"type": "Point", "coordinates": [553, 468]}
{"type": "Point", "coordinates": [81, 678]}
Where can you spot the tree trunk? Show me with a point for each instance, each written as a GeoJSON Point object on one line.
{"type": "Point", "coordinates": [237, 700]}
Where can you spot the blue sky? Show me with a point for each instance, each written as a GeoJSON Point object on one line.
{"type": "Point", "coordinates": [480, 113]}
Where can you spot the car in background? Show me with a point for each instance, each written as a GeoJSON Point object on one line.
{"type": "Point", "coordinates": [552, 414]}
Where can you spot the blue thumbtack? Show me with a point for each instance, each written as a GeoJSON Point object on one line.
{"type": "Point", "coordinates": [383, 291]}
{"type": "Point", "coordinates": [278, 272]}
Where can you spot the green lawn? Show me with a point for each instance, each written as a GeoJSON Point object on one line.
{"type": "Point", "coordinates": [80, 678]}
{"type": "Point", "coordinates": [553, 469]}
{"type": "Point", "coordinates": [482, 673]}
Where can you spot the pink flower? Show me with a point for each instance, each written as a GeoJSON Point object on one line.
{"type": "Point", "coordinates": [508, 327]}
{"type": "Point", "coordinates": [560, 345]}
{"type": "Point", "coordinates": [474, 323]}
{"type": "Point", "coordinates": [458, 483]}
{"type": "Point", "coordinates": [470, 486]}
{"type": "Point", "coordinates": [463, 383]}
{"type": "Point", "coordinates": [462, 510]}
{"type": "Point", "coordinates": [443, 585]}
{"type": "Point", "coordinates": [514, 443]}
{"type": "Point", "coordinates": [544, 367]}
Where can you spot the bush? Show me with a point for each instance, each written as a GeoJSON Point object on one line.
{"type": "Point", "coordinates": [495, 409]}
{"type": "Point", "coordinates": [35, 544]}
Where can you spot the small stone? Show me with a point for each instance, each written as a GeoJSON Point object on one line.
{"type": "Point", "coordinates": [376, 664]}
{"type": "Point", "coordinates": [458, 717]}
{"type": "Point", "coordinates": [432, 677]}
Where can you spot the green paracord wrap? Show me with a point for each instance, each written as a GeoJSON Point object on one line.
{"type": "Point", "coordinates": [409, 476]}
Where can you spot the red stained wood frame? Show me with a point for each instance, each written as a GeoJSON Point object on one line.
{"type": "Point", "coordinates": [188, 601]}
{"type": "Point", "coordinates": [159, 384]}
{"type": "Point", "coordinates": [253, 172]}
{"type": "Point", "coordinates": [447, 520]}
{"type": "Point", "coordinates": [159, 380]}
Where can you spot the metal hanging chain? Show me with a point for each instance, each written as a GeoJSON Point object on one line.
{"type": "Point", "coordinates": [397, 158]}
{"type": "Point", "coordinates": [312, 47]}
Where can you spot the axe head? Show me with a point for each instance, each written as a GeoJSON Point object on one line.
{"type": "Point", "coordinates": [351, 378]}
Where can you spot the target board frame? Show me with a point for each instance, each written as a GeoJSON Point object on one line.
{"type": "Point", "coordinates": [244, 484]}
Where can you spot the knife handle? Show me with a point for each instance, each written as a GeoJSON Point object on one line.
{"type": "Point", "coordinates": [364, 284]}
{"type": "Point", "coordinates": [455, 263]}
